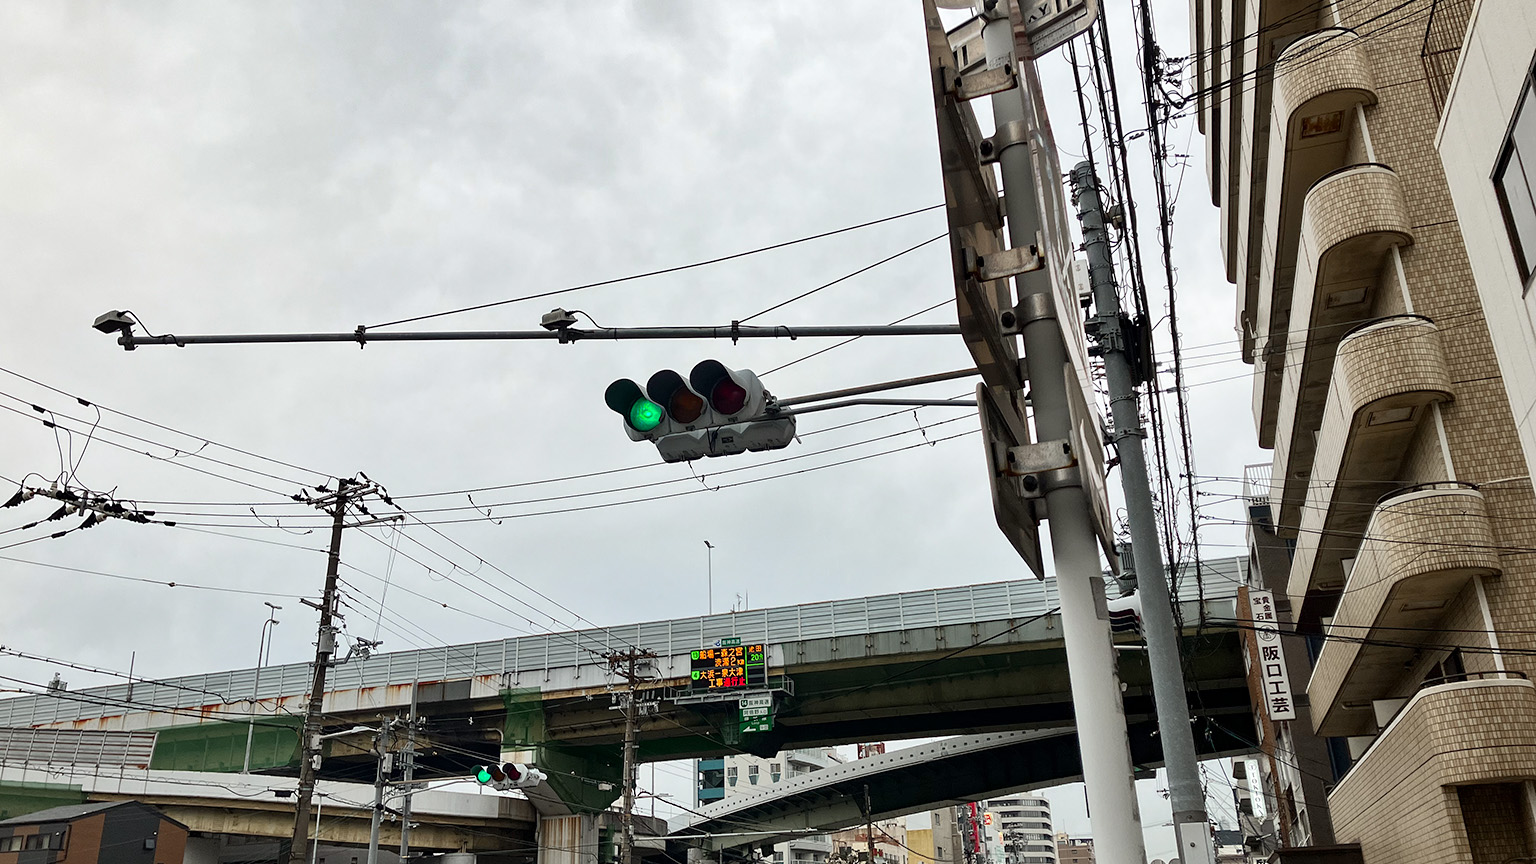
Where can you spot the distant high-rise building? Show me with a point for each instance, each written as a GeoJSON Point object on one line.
{"type": "Point", "coordinates": [1025, 824]}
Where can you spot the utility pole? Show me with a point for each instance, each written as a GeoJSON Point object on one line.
{"type": "Point", "coordinates": [869, 825]}
{"type": "Point", "coordinates": [1100, 714]}
{"type": "Point", "coordinates": [408, 774]}
{"type": "Point", "coordinates": [1173, 719]}
{"type": "Point", "coordinates": [325, 646]}
{"type": "Point", "coordinates": [624, 664]}
{"type": "Point", "coordinates": [381, 751]}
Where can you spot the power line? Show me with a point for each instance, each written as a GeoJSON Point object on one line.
{"type": "Point", "coordinates": [844, 278]}
{"type": "Point", "coordinates": [205, 441]}
{"type": "Point", "coordinates": [661, 272]}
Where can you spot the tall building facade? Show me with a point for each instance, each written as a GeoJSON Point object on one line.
{"type": "Point", "coordinates": [1399, 485]}
{"type": "Point", "coordinates": [1024, 823]}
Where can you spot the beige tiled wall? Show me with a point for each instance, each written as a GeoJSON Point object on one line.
{"type": "Point", "coordinates": [1399, 801]}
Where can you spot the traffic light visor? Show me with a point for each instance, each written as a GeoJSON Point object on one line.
{"type": "Point", "coordinates": [724, 393]}
{"type": "Point", "coordinates": [512, 772]}
{"type": "Point", "coordinates": [625, 397]}
{"type": "Point", "coordinates": [668, 389]}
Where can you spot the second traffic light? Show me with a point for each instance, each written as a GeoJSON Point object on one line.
{"type": "Point", "coordinates": [715, 411]}
{"type": "Point", "coordinates": [509, 775]}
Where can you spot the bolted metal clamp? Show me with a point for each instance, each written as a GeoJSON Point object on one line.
{"type": "Point", "coordinates": [1004, 263]}
{"type": "Point", "coordinates": [1040, 306]}
{"type": "Point", "coordinates": [1038, 458]}
{"type": "Point", "coordinates": [1010, 133]}
{"type": "Point", "coordinates": [984, 83]}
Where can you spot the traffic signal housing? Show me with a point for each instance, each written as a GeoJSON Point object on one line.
{"type": "Point", "coordinates": [715, 411]}
{"type": "Point", "coordinates": [508, 775]}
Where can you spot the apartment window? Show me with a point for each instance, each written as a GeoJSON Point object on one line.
{"type": "Point", "coordinates": [777, 771]}
{"type": "Point", "coordinates": [752, 772]}
{"type": "Point", "coordinates": [54, 841]}
{"type": "Point", "coordinates": [1514, 179]}
{"type": "Point", "coordinates": [730, 775]}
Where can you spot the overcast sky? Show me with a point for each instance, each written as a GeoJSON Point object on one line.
{"type": "Point", "coordinates": [237, 167]}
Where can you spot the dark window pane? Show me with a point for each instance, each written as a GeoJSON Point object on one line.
{"type": "Point", "coordinates": [1522, 209]}
{"type": "Point", "coordinates": [1523, 135]}
{"type": "Point", "coordinates": [1513, 181]}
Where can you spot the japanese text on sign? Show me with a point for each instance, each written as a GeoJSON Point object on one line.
{"type": "Point", "coordinates": [1273, 676]}
{"type": "Point", "coordinates": [729, 667]}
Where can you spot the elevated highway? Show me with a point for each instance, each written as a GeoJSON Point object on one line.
{"type": "Point", "coordinates": [952, 771]}
{"type": "Point", "coordinates": [970, 659]}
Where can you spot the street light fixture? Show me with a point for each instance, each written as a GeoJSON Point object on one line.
{"type": "Point", "coordinates": [263, 652]}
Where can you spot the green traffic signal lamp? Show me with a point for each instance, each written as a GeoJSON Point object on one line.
{"type": "Point", "coordinates": [483, 775]}
{"type": "Point", "coordinates": [625, 397]}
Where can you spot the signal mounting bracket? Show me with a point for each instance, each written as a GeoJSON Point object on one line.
{"type": "Point", "coordinates": [1004, 263]}
{"type": "Point", "coordinates": [1040, 457]}
{"type": "Point", "coordinates": [1040, 306]}
{"type": "Point", "coordinates": [975, 85]}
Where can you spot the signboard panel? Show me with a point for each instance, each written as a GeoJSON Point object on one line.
{"type": "Point", "coordinates": [974, 214]}
{"type": "Point", "coordinates": [1048, 24]}
{"type": "Point", "coordinates": [757, 724]}
{"type": "Point", "coordinates": [1273, 676]}
{"type": "Point", "coordinates": [757, 700]}
{"type": "Point", "coordinates": [1002, 427]}
{"type": "Point", "coordinates": [730, 667]}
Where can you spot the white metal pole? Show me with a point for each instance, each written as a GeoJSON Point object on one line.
{"type": "Point", "coordinates": [261, 650]}
{"type": "Point", "coordinates": [710, 575]}
{"type": "Point", "coordinates": [314, 855]}
{"type": "Point", "coordinates": [1101, 729]}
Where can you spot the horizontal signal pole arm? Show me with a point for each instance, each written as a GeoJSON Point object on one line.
{"type": "Point", "coordinates": [909, 403]}
{"type": "Point", "coordinates": [131, 340]}
{"type": "Point", "coordinates": [876, 388]}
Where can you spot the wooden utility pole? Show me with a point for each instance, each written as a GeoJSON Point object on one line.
{"type": "Point", "coordinates": [624, 664]}
{"type": "Point", "coordinates": [335, 503]}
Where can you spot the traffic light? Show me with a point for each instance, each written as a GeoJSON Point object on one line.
{"type": "Point", "coordinates": [508, 775]}
{"type": "Point", "coordinates": [715, 411]}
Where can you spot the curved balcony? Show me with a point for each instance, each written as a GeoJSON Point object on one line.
{"type": "Point", "coordinates": [1318, 81]}
{"type": "Point", "coordinates": [1423, 545]}
{"type": "Point", "coordinates": [1351, 218]}
{"type": "Point", "coordinates": [1481, 730]}
{"type": "Point", "coordinates": [1386, 374]}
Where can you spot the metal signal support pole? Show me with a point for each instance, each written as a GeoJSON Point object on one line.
{"type": "Point", "coordinates": [1184, 789]}
{"type": "Point", "coordinates": [1102, 736]}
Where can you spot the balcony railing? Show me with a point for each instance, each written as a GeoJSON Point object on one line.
{"type": "Point", "coordinates": [1387, 373]}
{"type": "Point", "coordinates": [1422, 546]}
